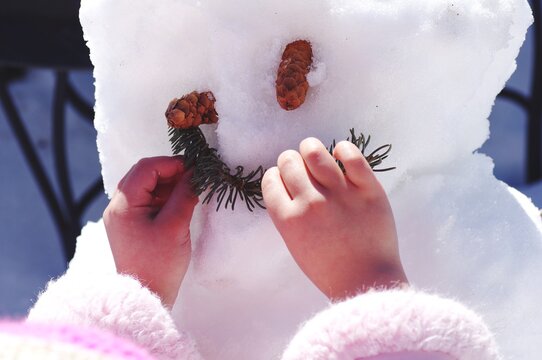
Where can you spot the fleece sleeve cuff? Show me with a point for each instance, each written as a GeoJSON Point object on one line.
{"type": "Point", "coordinates": [118, 304]}
{"type": "Point", "coordinates": [381, 324]}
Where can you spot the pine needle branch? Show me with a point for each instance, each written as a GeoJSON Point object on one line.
{"type": "Point", "coordinates": [211, 174]}
{"type": "Point", "coordinates": [375, 158]}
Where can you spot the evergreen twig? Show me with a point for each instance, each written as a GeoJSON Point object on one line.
{"type": "Point", "coordinates": [375, 158]}
{"type": "Point", "coordinates": [212, 174]}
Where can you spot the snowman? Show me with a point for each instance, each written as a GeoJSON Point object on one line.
{"type": "Point", "coordinates": [421, 75]}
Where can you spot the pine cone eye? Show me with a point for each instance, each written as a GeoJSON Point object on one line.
{"type": "Point", "coordinates": [292, 84]}
{"type": "Point", "coordinates": [192, 110]}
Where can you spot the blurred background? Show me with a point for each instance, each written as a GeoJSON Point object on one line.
{"type": "Point", "coordinates": [50, 174]}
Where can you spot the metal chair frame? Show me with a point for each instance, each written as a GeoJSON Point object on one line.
{"type": "Point", "coordinates": [65, 209]}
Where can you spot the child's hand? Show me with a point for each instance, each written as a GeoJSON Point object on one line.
{"type": "Point", "coordinates": [338, 227]}
{"type": "Point", "coordinates": [147, 223]}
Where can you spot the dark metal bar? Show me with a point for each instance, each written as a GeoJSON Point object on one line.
{"type": "Point", "coordinates": [534, 134]}
{"type": "Point", "coordinates": [88, 196]}
{"type": "Point", "coordinates": [61, 164]}
{"type": "Point", "coordinates": [516, 97]}
{"type": "Point", "coordinates": [80, 105]}
{"type": "Point", "coordinates": [59, 140]}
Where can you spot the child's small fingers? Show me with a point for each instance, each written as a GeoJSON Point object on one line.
{"type": "Point", "coordinates": [357, 169]}
{"type": "Point", "coordinates": [140, 182]}
{"type": "Point", "coordinates": [274, 192]}
{"type": "Point", "coordinates": [320, 163]}
{"type": "Point", "coordinates": [179, 206]}
{"type": "Point", "coordinates": [294, 173]}
{"type": "Point", "coordinates": [161, 193]}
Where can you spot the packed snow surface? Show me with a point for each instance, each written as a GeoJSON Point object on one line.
{"type": "Point", "coordinates": [419, 74]}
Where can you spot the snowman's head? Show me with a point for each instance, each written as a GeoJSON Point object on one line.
{"type": "Point", "coordinates": [421, 75]}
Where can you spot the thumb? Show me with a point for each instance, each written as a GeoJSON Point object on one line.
{"type": "Point", "coordinates": [180, 205]}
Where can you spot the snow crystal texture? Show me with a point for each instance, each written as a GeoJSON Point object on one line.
{"type": "Point", "coordinates": [419, 74]}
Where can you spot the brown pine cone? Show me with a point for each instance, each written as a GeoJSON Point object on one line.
{"type": "Point", "coordinates": [192, 110]}
{"type": "Point", "coordinates": [292, 84]}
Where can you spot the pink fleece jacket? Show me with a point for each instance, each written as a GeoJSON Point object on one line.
{"type": "Point", "coordinates": [378, 325]}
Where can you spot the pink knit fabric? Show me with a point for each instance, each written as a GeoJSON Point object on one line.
{"type": "Point", "coordinates": [118, 304]}
{"type": "Point", "coordinates": [394, 324]}
{"type": "Point", "coordinates": [89, 339]}
{"type": "Point", "coordinates": [401, 324]}
{"type": "Point", "coordinates": [415, 355]}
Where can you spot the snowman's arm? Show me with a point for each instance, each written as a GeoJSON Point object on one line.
{"type": "Point", "coordinates": [92, 294]}
{"type": "Point", "coordinates": [394, 325]}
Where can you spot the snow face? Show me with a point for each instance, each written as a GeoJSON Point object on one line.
{"type": "Point", "coordinates": [419, 74]}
